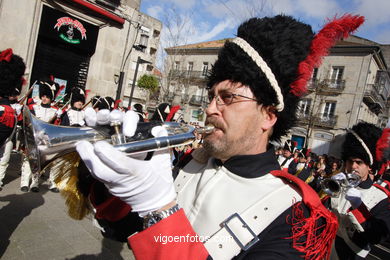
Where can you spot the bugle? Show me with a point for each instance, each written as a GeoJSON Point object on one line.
{"type": "Point", "coordinates": [334, 187]}
{"type": "Point", "coordinates": [46, 142]}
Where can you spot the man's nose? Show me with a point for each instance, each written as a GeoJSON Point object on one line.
{"type": "Point", "coordinates": [212, 107]}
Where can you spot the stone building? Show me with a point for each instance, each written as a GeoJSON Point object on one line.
{"type": "Point", "coordinates": [92, 44]}
{"type": "Point", "coordinates": [351, 85]}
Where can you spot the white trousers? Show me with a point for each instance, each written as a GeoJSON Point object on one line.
{"type": "Point", "coordinates": [5, 154]}
{"type": "Point", "coordinates": [27, 175]}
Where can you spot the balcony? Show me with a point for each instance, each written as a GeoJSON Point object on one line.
{"type": "Point", "coordinates": [303, 118]}
{"type": "Point", "coordinates": [331, 86]}
{"type": "Point", "coordinates": [373, 99]}
{"type": "Point", "coordinates": [327, 121]}
{"type": "Point", "coordinates": [197, 100]}
{"type": "Point", "coordinates": [187, 74]}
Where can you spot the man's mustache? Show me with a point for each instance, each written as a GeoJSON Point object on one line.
{"type": "Point", "coordinates": [215, 122]}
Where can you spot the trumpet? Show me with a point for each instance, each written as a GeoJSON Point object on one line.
{"type": "Point", "coordinates": [46, 142]}
{"type": "Point", "coordinates": [334, 187]}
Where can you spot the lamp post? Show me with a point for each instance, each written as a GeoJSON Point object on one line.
{"type": "Point", "coordinates": [139, 61]}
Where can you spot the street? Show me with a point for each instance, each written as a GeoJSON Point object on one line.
{"type": "Point", "coordinates": [36, 226]}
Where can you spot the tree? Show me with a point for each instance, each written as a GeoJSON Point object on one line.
{"type": "Point", "coordinates": [148, 82]}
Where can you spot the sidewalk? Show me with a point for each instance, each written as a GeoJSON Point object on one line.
{"type": "Point", "coordinates": [36, 226]}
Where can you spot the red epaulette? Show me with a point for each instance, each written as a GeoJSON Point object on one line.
{"type": "Point", "coordinates": [305, 231]}
{"type": "Point", "coordinates": [7, 118]}
{"type": "Point", "coordinates": [385, 189]}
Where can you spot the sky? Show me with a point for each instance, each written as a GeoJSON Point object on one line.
{"type": "Point", "coordinates": [193, 21]}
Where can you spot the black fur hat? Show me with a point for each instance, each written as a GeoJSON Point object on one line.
{"type": "Point", "coordinates": [290, 146]}
{"type": "Point", "coordinates": [78, 94]}
{"type": "Point", "coordinates": [12, 69]}
{"type": "Point", "coordinates": [161, 112]}
{"type": "Point", "coordinates": [275, 57]}
{"type": "Point", "coordinates": [48, 88]}
{"type": "Point", "coordinates": [283, 43]}
{"type": "Point", "coordinates": [111, 102]}
{"type": "Point", "coordinates": [354, 148]}
{"type": "Point", "coordinates": [95, 101]}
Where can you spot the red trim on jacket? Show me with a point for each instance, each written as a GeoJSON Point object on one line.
{"type": "Point", "coordinates": [384, 189]}
{"type": "Point", "coordinates": [112, 209]}
{"type": "Point", "coordinates": [8, 116]}
{"type": "Point", "coordinates": [361, 213]}
{"type": "Point", "coordinates": [171, 238]}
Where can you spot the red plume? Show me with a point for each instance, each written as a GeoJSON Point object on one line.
{"type": "Point", "coordinates": [117, 102]}
{"type": "Point", "coordinates": [86, 93]}
{"type": "Point", "coordinates": [172, 113]}
{"type": "Point", "coordinates": [6, 55]}
{"type": "Point", "coordinates": [322, 42]}
{"type": "Point", "coordinates": [383, 144]}
{"type": "Point", "coordinates": [51, 77]}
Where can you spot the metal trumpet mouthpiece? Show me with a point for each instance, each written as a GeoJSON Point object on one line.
{"type": "Point", "coordinates": [205, 130]}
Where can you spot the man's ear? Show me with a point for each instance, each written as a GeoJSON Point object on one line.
{"type": "Point", "coordinates": [269, 117]}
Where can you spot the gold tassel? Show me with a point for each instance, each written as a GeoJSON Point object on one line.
{"type": "Point", "coordinates": [66, 178]}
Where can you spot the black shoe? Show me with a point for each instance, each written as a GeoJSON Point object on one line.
{"type": "Point", "coordinates": [55, 190]}
{"type": "Point", "coordinates": [24, 188]}
{"type": "Point", "coordinates": [34, 189]}
{"type": "Point", "coordinates": [1, 188]}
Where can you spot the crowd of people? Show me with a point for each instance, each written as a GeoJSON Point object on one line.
{"type": "Point", "coordinates": [231, 194]}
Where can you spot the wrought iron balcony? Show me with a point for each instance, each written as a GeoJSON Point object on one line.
{"type": "Point", "coordinates": [188, 74]}
{"type": "Point", "coordinates": [303, 118]}
{"type": "Point", "coordinates": [324, 120]}
{"type": "Point", "coordinates": [331, 86]}
{"type": "Point", "coordinates": [373, 98]}
{"type": "Point", "coordinates": [197, 100]}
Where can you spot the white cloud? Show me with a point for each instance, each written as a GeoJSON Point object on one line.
{"type": "Point", "coordinates": [319, 9]}
{"type": "Point", "coordinates": [375, 11]}
{"type": "Point", "coordinates": [154, 11]}
{"type": "Point", "coordinates": [216, 30]}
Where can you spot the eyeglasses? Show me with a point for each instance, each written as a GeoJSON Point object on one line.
{"type": "Point", "coordinates": [226, 98]}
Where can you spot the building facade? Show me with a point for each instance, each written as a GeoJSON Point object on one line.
{"type": "Point", "coordinates": [350, 86]}
{"type": "Point", "coordinates": [185, 82]}
{"type": "Point", "coordinates": [88, 44]}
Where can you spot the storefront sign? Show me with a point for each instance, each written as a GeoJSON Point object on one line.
{"type": "Point", "coordinates": [69, 30]}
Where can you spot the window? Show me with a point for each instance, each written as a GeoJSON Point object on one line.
{"type": "Point", "coordinates": [205, 68]}
{"type": "Point", "coordinates": [329, 109]}
{"type": "Point", "coordinates": [190, 66]}
{"type": "Point", "coordinates": [315, 74]}
{"type": "Point", "coordinates": [176, 65]}
{"type": "Point", "coordinates": [337, 73]}
{"type": "Point", "coordinates": [143, 38]}
{"type": "Point", "coordinates": [304, 107]}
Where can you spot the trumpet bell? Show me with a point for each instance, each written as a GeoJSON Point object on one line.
{"type": "Point", "coordinates": [45, 142]}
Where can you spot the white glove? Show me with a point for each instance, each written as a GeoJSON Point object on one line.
{"type": "Point", "coordinates": [59, 112]}
{"type": "Point", "coordinates": [90, 116]}
{"type": "Point", "coordinates": [130, 121]}
{"type": "Point", "coordinates": [354, 196]}
{"type": "Point", "coordinates": [17, 107]}
{"type": "Point", "coordinates": [339, 177]}
{"type": "Point", "coordinates": [145, 185]}
{"type": "Point", "coordinates": [116, 116]}
{"type": "Point", "coordinates": [103, 117]}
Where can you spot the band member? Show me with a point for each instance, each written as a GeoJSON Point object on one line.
{"type": "Point", "coordinates": [12, 69]}
{"type": "Point", "coordinates": [232, 193]}
{"type": "Point", "coordinates": [364, 211]}
{"type": "Point", "coordinates": [139, 110]}
{"type": "Point", "coordinates": [287, 156]}
{"type": "Point", "coordinates": [46, 112]}
{"type": "Point", "coordinates": [301, 166]}
{"type": "Point", "coordinates": [75, 115]}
